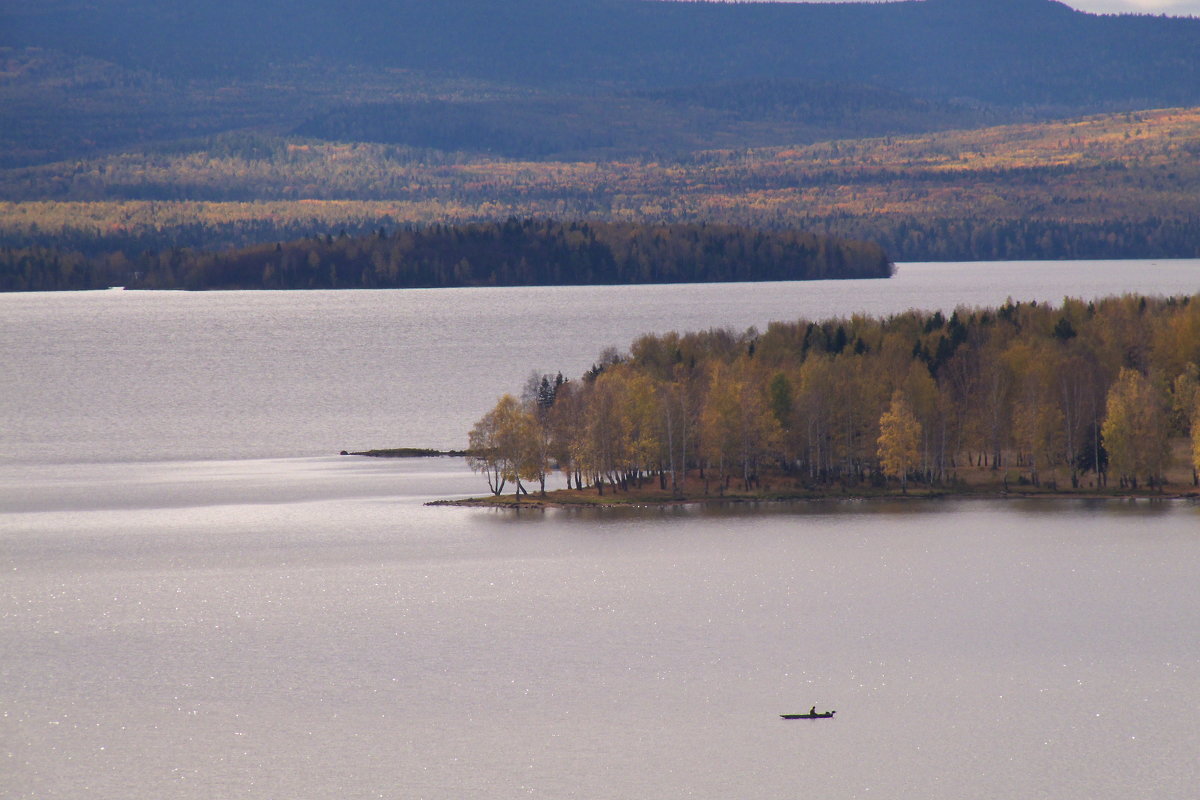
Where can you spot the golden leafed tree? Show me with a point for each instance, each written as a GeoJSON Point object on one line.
{"type": "Point", "coordinates": [1135, 428]}
{"type": "Point", "coordinates": [504, 445]}
{"type": "Point", "coordinates": [483, 452]}
{"type": "Point", "coordinates": [604, 445]}
{"type": "Point", "coordinates": [899, 440]}
{"type": "Point", "coordinates": [737, 426]}
{"type": "Point", "coordinates": [1037, 417]}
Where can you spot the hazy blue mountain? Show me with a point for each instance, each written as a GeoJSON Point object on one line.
{"type": "Point", "coordinates": [1003, 52]}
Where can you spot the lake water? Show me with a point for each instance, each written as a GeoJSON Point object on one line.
{"type": "Point", "coordinates": [200, 599]}
{"type": "Point", "coordinates": [118, 376]}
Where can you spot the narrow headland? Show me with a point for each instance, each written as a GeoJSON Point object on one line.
{"type": "Point", "coordinates": [1083, 399]}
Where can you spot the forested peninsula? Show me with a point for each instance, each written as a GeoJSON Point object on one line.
{"type": "Point", "coordinates": [510, 253]}
{"type": "Point", "coordinates": [1097, 398]}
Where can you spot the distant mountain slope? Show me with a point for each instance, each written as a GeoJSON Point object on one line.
{"type": "Point", "coordinates": [61, 107]}
{"type": "Point", "coordinates": [1004, 52]}
{"type": "Point", "coordinates": [1111, 186]}
{"type": "Point", "coordinates": [623, 124]}
{"type": "Point", "coordinates": [288, 117]}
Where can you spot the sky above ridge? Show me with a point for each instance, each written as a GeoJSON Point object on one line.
{"type": "Point", "coordinates": [1181, 8]}
{"type": "Point", "coordinates": [1174, 7]}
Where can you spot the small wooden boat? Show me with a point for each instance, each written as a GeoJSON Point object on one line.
{"type": "Point", "coordinates": [810, 715]}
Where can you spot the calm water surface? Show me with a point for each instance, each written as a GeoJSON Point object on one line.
{"type": "Point", "coordinates": [199, 600]}
{"type": "Point", "coordinates": [153, 375]}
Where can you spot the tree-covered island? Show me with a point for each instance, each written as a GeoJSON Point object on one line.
{"type": "Point", "coordinates": [1097, 398]}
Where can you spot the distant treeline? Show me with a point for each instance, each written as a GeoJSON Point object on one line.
{"type": "Point", "coordinates": [510, 253]}
{"type": "Point", "coordinates": [80, 259]}
{"type": "Point", "coordinates": [917, 239]}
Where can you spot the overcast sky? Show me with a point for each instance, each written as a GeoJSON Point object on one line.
{"type": "Point", "coordinates": [1180, 7]}
{"type": "Point", "coordinates": [1175, 7]}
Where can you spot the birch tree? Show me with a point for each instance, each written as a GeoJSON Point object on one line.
{"type": "Point", "coordinates": [1135, 429]}
{"type": "Point", "coordinates": [506, 445]}
{"type": "Point", "coordinates": [899, 440]}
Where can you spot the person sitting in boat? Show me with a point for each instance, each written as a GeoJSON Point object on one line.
{"type": "Point", "coordinates": [812, 712]}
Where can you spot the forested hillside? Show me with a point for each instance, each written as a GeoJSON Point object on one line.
{"type": "Point", "coordinates": [640, 123]}
{"type": "Point", "coordinates": [1098, 396]}
{"type": "Point", "coordinates": [939, 129]}
{"type": "Point", "coordinates": [1121, 185]}
{"type": "Point", "coordinates": [64, 105]}
{"type": "Point", "coordinates": [537, 77]}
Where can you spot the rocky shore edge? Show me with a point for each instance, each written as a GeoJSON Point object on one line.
{"type": "Point", "coordinates": [589, 498]}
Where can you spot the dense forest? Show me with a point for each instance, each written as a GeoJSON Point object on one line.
{"type": "Point", "coordinates": [1099, 396]}
{"type": "Point", "coordinates": [512, 253]}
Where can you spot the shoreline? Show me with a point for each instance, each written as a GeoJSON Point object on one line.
{"type": "Point", "coordinates": [651, 496]}
{"type": "Point", "coordinates": [588, 498]}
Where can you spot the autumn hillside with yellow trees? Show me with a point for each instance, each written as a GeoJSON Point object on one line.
{"type": "Point", "coordinates": [1098, 398]}
{"type": "Point", "coordinates": [1115, 185]}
